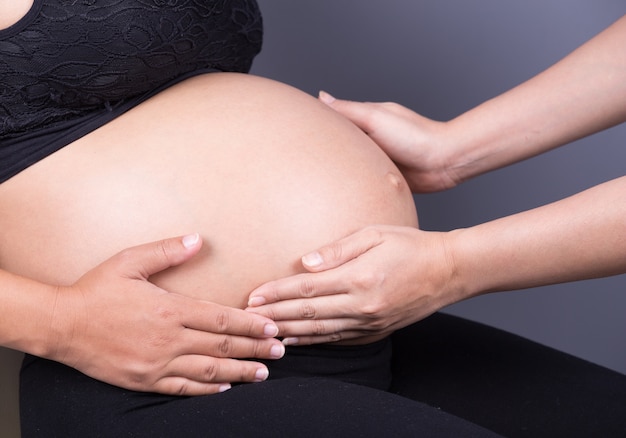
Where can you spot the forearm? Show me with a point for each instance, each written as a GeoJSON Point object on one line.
{"type": "Point", "coordinates": [26, 313]}
{"type": "Point", "coordinates": [580, 95]}
{"type": "Point", "coordinates": [580, 237]}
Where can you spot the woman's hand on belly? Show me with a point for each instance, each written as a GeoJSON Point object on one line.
{"type": "Point", "coordinates": [115, 326]}
{"type": "Point", "coordinates": [361, 286]}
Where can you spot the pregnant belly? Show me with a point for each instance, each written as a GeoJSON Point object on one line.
{"type": "Point", "coordinates": [262, 171]}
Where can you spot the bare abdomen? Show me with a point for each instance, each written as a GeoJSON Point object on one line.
{"type": "Point", "coordinates": [262, 171]}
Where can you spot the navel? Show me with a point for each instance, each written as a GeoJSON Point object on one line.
{"type": "Point", "coordinates": [396, 180]}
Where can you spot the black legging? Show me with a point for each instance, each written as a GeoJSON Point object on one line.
{"type": "Point", "coordinates": [445, 364]}
{"type": "Point", "coordinates": [506, 383]}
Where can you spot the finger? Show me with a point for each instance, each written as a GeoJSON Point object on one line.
{"type": "Point", "coordinates": [217, 370]}
{"type": "Point", "coordinates": [299, 286]}
{"type": "Point", "coordinates": [181, 386]}
{"type": "Point", "coordinates": [331, 330]}
{"type": "Point", "coordinates": [227, 346]}
{"type": "Point", "coordinates": [194, 375]}
{"type": "Point", "coordinates": [300, 341]}
{"type": "Point", "coordinates": [360, 113]}
{"type": "Point", "coordinates": [343, 250]}
{"type": "Point", "coordinates": [326, 307]}
{"type": "Point", "coordinates": [215, 318]}
{"type": "Point", "coordinates": [145, 260]}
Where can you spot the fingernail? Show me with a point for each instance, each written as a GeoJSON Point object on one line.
{"type": "Point", "coordinates": [261, 374]}
{"type": "Point", "coordinates": [270, 330]}
{"type": "Point", "coordinates": [313, 259]}
{"type": "Point", "coordinates": [326, 98]}
{"type": "Point", "coordinates": [277, 351]}
{"type": "Point", "coordinates": [256, 301]}
{"type": "Point", "coordinates": [191, 240]}
{"type": "Point", "coordinates": [291, 341]}
{"type": "Point", "coordinates": [224, 387]}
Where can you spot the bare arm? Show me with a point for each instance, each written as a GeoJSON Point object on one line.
{"type": "Point", "coordinates": [582, 94]}
{"type": "Point", "coordinates": [26, 309]}
{"type": "Point", "coordinates": [411, 273]}
{"type": "Point", "coordinates": [115, 326]}
{"type": "Point", "coordinates": [580, 237]}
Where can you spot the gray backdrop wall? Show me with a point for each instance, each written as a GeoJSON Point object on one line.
{"type": "Point", "coordinates": [440, 58]}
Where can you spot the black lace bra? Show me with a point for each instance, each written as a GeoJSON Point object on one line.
{"type": "Point", "coordinates": [70, 66]}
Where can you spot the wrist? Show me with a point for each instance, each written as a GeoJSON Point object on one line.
{"type": "Point", "coordinates": [66, 322]}
{"type": "Point", "coordinates": [466, 279]}
{"type": "Point", "coordinates": [54, 335]}
{"type": "Point", "coordinates": [431, 159]}
{"type": "Point", "coordinates": [495, 256]}
{"type": "Point", "coordinates": [27, 308]}
{"type": "Point", "coordinates": [470, 148]}
{"type": "Point", "coordinates": [446, 274]}
{"type": "Point", "coordinates": [43, 338]}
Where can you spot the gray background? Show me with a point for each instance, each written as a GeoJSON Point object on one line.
{"type": "Point", "coordinates": [441, 58]}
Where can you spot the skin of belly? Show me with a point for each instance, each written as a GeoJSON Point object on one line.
{"type": "Point", "coordinates": [262, 171]}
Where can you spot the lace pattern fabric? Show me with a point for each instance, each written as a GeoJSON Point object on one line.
{"type": "Point", "coordinates": [69, 59]}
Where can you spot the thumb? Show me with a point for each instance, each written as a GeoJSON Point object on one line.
{"type": "Point", "coordinates": [342, 251]}
{"type": "Point", "coordinates": [150, 258]}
